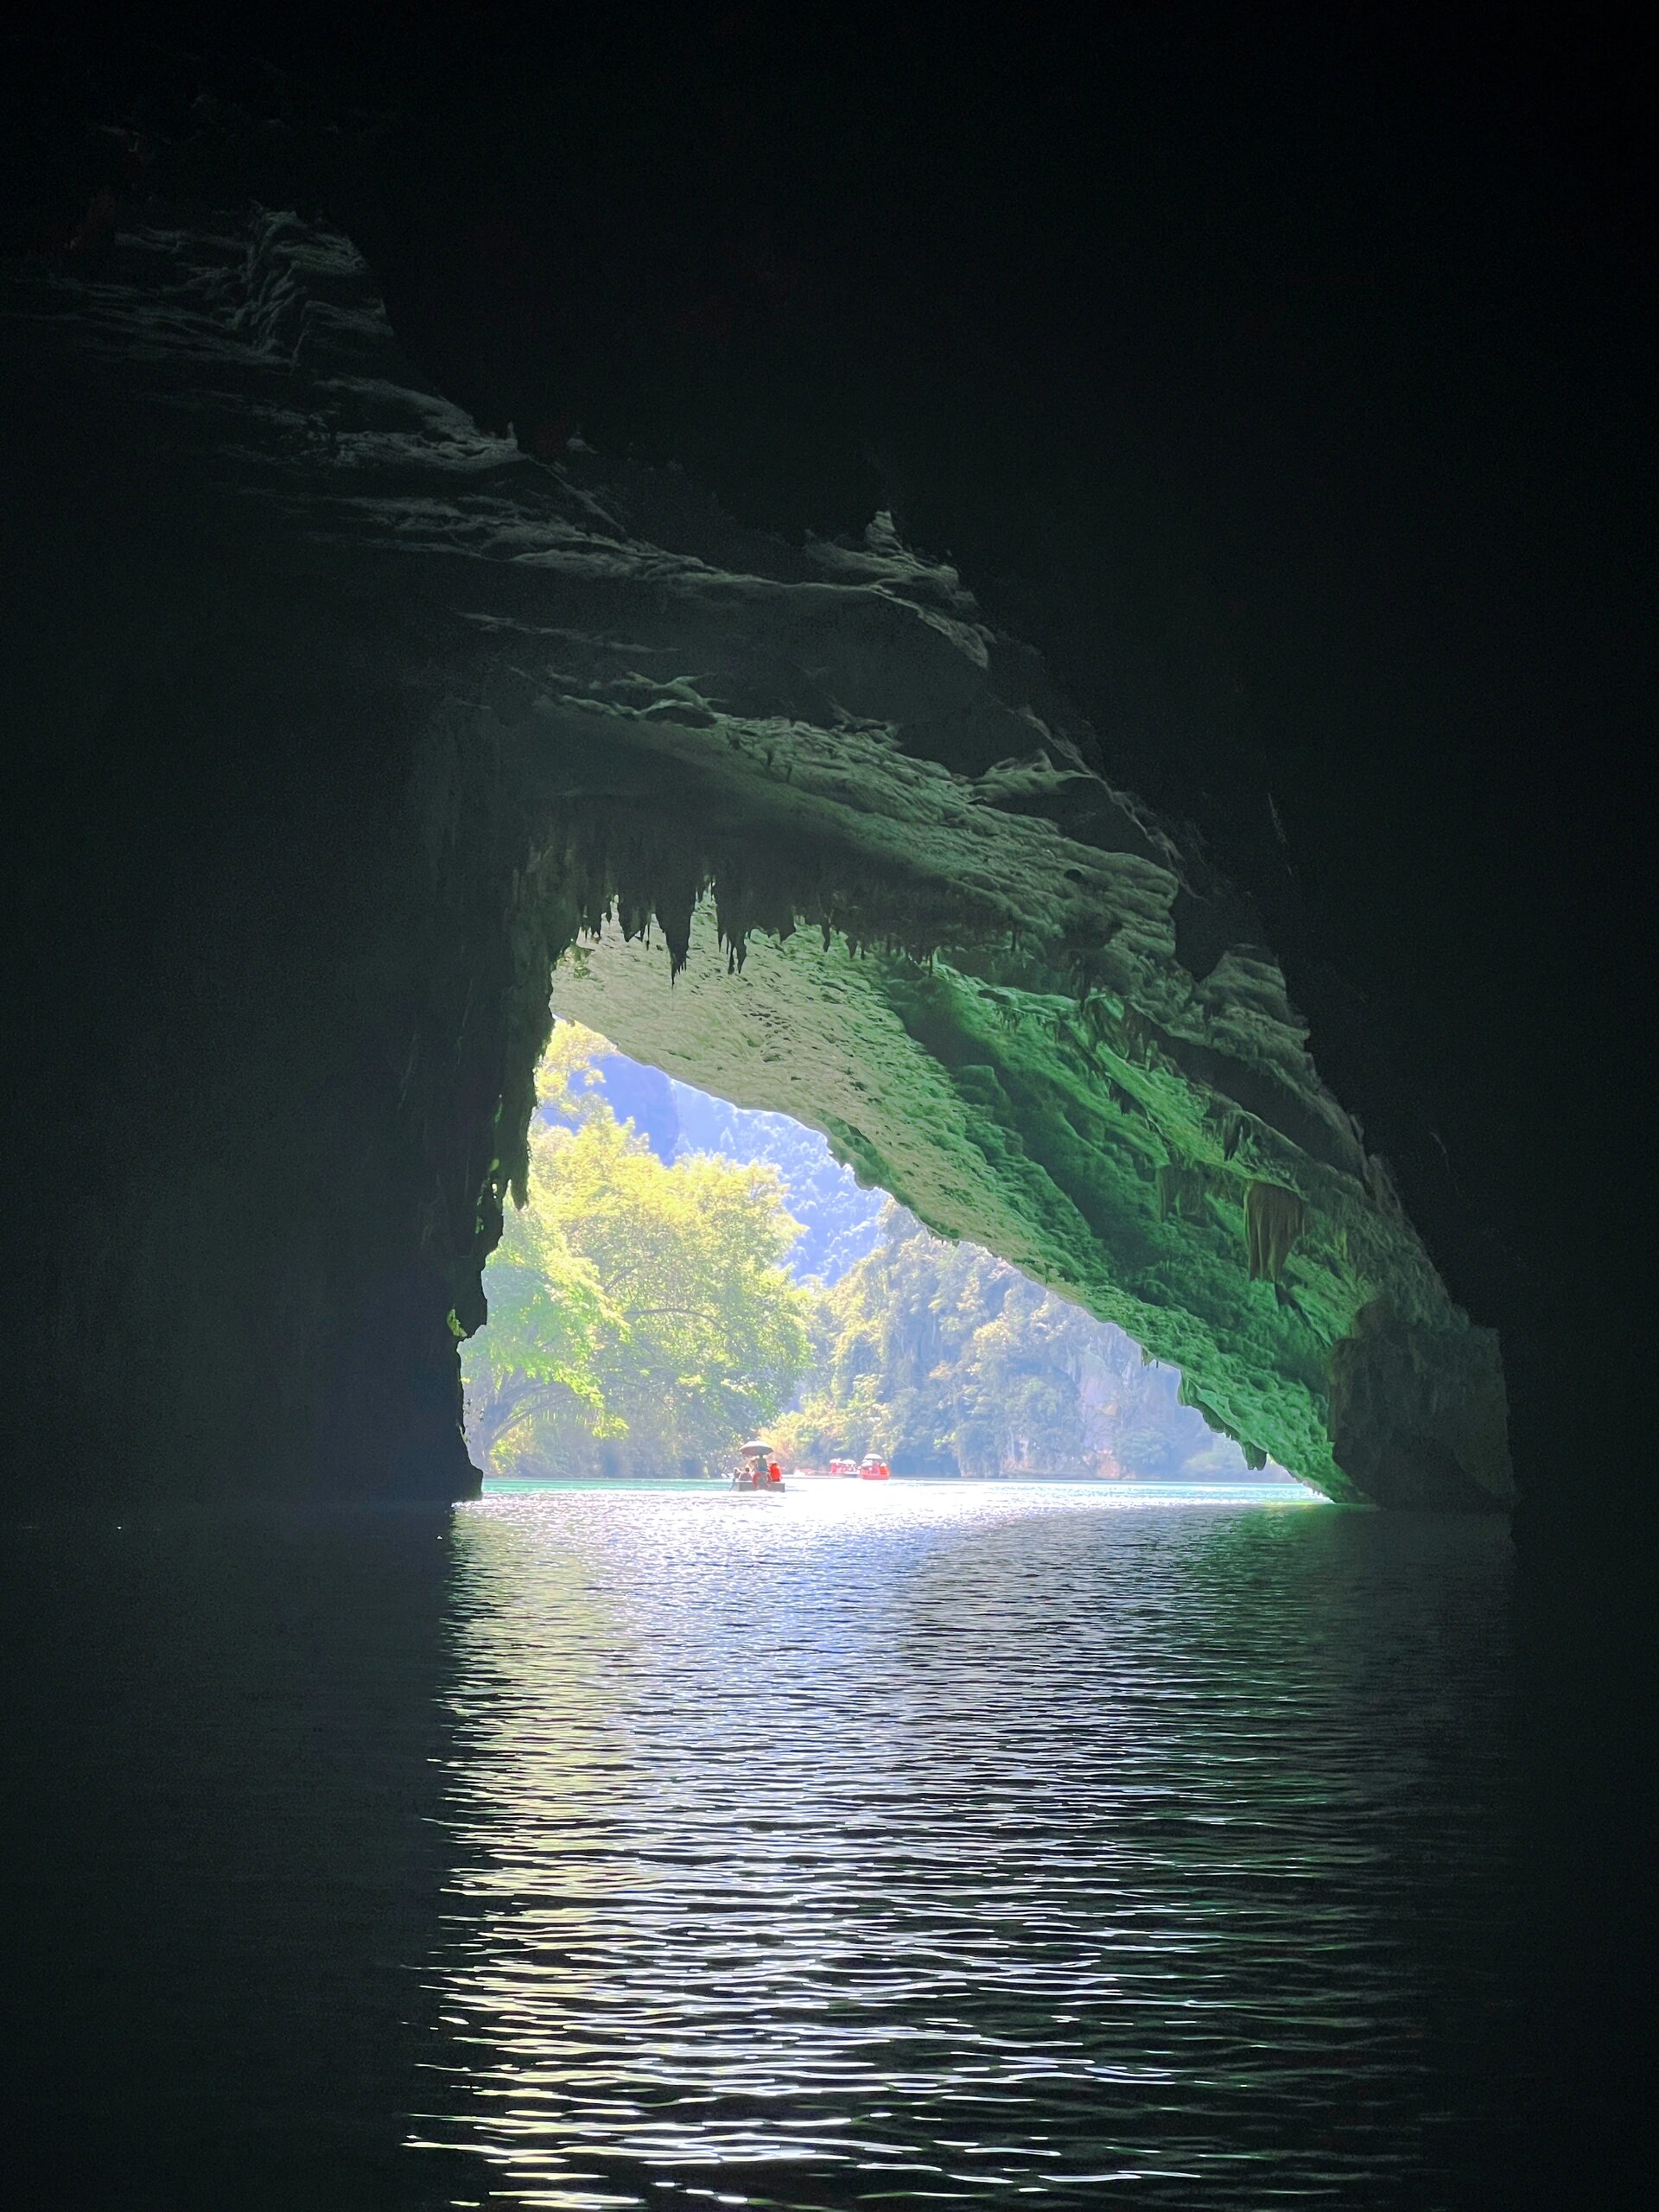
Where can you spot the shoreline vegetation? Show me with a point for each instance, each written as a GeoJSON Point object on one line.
{"type": "Point", "coordinates": [717, 1482]}
{"type": "Point", "coordinates": [649, 1308]}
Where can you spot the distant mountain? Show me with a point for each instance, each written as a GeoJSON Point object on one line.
{"type": "Point", "coordinates": [947, 1361]}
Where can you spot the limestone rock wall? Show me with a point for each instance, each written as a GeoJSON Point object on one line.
{"type": "Point", "coordinates": [347, 724]}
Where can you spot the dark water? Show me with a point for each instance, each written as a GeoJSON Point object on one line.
{"type": "Point", "coordinates": [923, 1843]}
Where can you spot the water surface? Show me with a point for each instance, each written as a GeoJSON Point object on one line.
{"type": "Point", "coordinates": [913, 1844]}
{"type": "Point", "coordinates": [948, 1843]}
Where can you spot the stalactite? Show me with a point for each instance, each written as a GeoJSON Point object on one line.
{"type": "Point", "coordinates": [1181, 1192]}
{"type": "Point", "coordinates": [1273, 1219]}
{"type": "Point", "coordinates": [1099, 1017]}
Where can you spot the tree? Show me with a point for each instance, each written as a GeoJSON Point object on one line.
{"type": "Point", "coordinates": [641, 1315]}
{"type": "Point", "coordinates": [533, 1376]}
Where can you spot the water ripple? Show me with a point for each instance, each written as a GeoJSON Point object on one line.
{"type": "Point", "coordinates": [950, 1843]}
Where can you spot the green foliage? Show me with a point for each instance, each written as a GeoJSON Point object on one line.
{"type": "Point", "coordinates": [641, 1318]}
{"type": "Point", "coordinates": [566, 1081]}
{"type": "Point", "coordinates": [949, 1361]}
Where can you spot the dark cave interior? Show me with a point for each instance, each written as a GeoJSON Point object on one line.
{"type": "Point", "coordinates": [1307, 458]}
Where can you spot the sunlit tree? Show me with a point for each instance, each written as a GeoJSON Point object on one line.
{"type": "Point", "coordinates": [641, 1317]}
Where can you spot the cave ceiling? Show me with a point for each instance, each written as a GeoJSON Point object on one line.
{"type": "Point", "coordinates": [790, 820]}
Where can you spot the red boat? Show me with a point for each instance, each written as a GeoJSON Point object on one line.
{"type": "Point", "coordinates": [758, 1468]}
{"type": "Point", "coordinates": [873, 1469]}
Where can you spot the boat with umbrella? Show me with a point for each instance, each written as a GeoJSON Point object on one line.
{"type": "Point", "coordinates": [758, 1467]}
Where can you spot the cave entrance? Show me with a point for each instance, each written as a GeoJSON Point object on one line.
{"type": "Point", "coordinates": [657, 1302]}
{"type": "Point", "coordinates": [529, 697]}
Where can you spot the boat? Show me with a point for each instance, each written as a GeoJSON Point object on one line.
{"type": "Point", "coordinates": [758, 1469]}
{"type": "Point", "coordinates": [873, 1468]}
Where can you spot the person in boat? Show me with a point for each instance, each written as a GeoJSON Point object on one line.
{"type": "Point", "coordinates": [758, 1469]}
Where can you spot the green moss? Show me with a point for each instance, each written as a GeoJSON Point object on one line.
{"type": "Point", "coordinates": [976, 1103]}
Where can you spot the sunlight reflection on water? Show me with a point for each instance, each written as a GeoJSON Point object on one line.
{"type": "Point", "coordinates": [953, 1841]}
